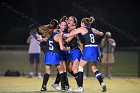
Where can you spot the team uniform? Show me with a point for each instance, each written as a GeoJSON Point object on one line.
{"type": "Point", "coordinates": [63, 53]}
{"type": "Point", "coordinates": [52, 56]}
{"type": "Point", "coordinates": [90, 52]}
{"type": "Point", "coordinates": [75, 52]}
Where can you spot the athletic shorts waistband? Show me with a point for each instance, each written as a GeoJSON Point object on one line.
{"type": "Point", "coordinates": [90, 45]}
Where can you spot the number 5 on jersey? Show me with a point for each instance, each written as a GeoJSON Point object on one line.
{"type": "Point", "coordinates": [50, 45]}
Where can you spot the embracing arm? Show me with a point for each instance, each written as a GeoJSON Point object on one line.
{"type": "Point", "coordinates": [60, 40]}
{"type": "Point", "coordinates": [75, 32]}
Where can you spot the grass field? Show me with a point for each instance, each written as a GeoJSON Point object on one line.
{"type": "Point", "coordinates": [91, 85]}
{"type": "Point", "coordinates": [126, 63]}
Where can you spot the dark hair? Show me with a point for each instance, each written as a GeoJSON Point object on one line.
{"type": "Point", "coordinates": [88, 21]}
{"type": "Point", "coordinates": [63, 19]}
{"type": "Point", "coordinates": [54, 22]}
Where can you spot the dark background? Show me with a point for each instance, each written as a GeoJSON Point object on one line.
{"type": "Point", "coordinates": [120, 17]}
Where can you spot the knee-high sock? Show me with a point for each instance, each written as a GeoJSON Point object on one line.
{"type": "Point", "coordinates": [45, 79]}
{"type": "Point", "coordinates": [99, 76]}
{"type": "Point", "coordinates": [76, 78]}
{"type": "Point", "coordinates": [66, 79]}
{"type": "Point", "coordinates": [57, 80]}
{"type": "Point", "coordinates": [80, 79]}
{"type": "Point", "coordinates": [71, 72]}
{"type": "Point", "coordinates": [62, 79]}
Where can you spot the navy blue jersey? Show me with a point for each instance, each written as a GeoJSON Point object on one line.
{"type": "Point", "coordinates": [53, 46]}
{"type": "Point", "coordinates": [89, 37]}
{"type": "Point", "coordinates": [73, 43]}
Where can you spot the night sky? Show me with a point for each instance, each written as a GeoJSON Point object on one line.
{"type": "Point", "coordinates": [120, 17]}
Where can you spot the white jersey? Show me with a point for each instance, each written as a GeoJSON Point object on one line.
{"type": "Point", "coordinates": [34, 46]}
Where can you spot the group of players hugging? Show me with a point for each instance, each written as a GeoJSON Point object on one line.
{"type": "Point", "coordinates": [66, 50]}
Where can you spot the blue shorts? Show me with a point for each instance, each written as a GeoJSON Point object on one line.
{"type": "Point", "coordinates": [63, 55]}
{"type": "Point", "coordinates": [34, 57]}
{"type": "Point", "coordinates": [90, 54]}
{"type": "Point", "coordinates": [52, 58]}
{"type": "Point", "coordinates": [75, 54]}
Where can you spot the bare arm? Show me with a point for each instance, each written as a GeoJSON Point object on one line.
{"type": "Point", "coordinates": [60, 40]}
{"type": "Point", "coordinates": [112, 42]}
{"type": "Point", "coordinates": [97, 32]}
{"type": "Point", "coordinates": [103, 42]}
{"type": "Point", "coordinates": [69, 39]}
{"type": "Point", "coordinates": [75, 32]}
{"type": "Point", "coordinates": [28, 39]}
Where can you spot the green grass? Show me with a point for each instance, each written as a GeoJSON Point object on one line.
{"type": "Point", "coordinates": [126, 63]}
{"type": "Point", "coordinates": [91, 85]}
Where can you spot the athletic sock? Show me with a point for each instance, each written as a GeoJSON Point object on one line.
{"type": "Point", "coordinates": [62, 79]}
{"type": "Point", "coordinates": [57, 80]}
{"type": "Point", "coordinates": [66, 79]}
{"type": "Point", "coordinates": [99, 76]}
{"type": "Point", "coordinates": [80, 79]}
{"type": "Point", "coordinates": [71, 72]}
{"type": "Point", "coordinates": [76, 77]}
{"type": "Point", "coordinates": [45, 79]}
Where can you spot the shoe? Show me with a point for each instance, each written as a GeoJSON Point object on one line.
{"type": "Point", "coordinates": [103, 86]}
{"type": "Point", "coordinates": [68, 88]}
{"type": "Point", "coordinates": [56, 86]}
{"type": "Point", "coordinates": [43, 88]}
{"type": "Point", "coordinates": [39, 75]}
{"type": "Point", "coordinates": [84, 77]}
{"type": "Point", "coordinates": [110, 77]}
{"type": "Point", "coordinates": [63, 89]}
{"type": "Point", "coordinates": [79, 89]}
{"type": "Point", "coordinates": [29, 76]}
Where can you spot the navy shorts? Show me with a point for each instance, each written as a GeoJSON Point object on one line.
{"type": "Point", "coordinates": [63, 55]}
{"type": "Point", "coordinates": [34, 57]}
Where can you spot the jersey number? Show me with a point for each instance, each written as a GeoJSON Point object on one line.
{"type": "Point", "coordinates": [50, 45]}
{"type": "Point", "coordinates": [92, 38]}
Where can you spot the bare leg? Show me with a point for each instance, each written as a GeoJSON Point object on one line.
{"type": "Point", "coordinates": [109, 70]}
{"type": "Point", "coordinates": [103, 69]}
{"type": "Point", "coordinates": [39, 70]}
{"type": "Point", "coordinates": [31, 74]}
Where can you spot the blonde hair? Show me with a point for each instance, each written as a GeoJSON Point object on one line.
{"type": "Point", "coordinates": [74, 19]}
{"type": "Point", "coordinates": [88, 21]}
{"type": "Point", "coordinates": [46, 30]}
